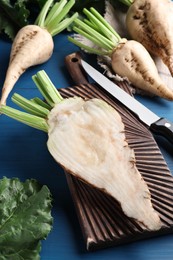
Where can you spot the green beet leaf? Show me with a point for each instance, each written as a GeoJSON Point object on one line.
{"type": "Point", "coordinates": [12, 17]}
{"type": "Point", "coordinates": [16, 14]}
{"type": "Point", "coordinates": [25, 218]}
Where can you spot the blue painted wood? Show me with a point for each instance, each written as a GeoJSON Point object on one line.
{"type": "Point", "coordinates": [23, 154]}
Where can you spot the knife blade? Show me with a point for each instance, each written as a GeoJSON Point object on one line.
{"type": "Point", "coordinates": [158, 125]}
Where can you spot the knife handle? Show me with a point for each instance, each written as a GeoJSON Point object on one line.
{"type": "Point", "coordinates": [73, 64]}
{"type": "Point", "coordinates": [164, 128]}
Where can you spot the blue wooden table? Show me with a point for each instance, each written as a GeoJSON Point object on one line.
{"type": "Point", "coordinates": [23, 154]}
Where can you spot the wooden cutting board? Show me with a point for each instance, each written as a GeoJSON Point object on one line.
{"type": "Point", "coordinates": [102, 221]}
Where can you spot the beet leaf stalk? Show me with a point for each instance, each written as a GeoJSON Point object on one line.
{"type": "Point", "coordinates": [37, 110]}
{"type": "Point", "coordinates": [127, 56]}
{"type": "Point", "coordinates": [34, 44]}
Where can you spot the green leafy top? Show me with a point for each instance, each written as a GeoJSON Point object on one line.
{"type": "Point", "coordinates": [25, 218]}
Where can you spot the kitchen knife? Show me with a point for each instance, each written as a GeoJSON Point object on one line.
{"type": "Point", "coordinates": [156, 124]}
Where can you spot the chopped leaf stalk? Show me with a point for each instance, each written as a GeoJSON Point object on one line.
{"type": "Point", "coordinates": [39, 109]}
{"type": "Point", "coordinates": [99, 41]}
{"type": "Point", "coordinates": [89, 32]}
{"type": "Point", "coordinates": [25, 118]}
{"type": "Point", "coordinates": [87, 48]}
{"type": "Point", "coordinates": [55, 19]}
{"type": "Point", "coordinates": [105, 23]}
{"type": "Point", "coordinates": [40, 102]}
{"type": "Point", "coordinates": [55, 10]}
{"type": "Point", "coordinates": [92, 25]}
{"type": "Point", "coordinates": [64, 24]}
{"type": "Point", "coordinates": [47, 88]}
{"type": "Point", "coordinates": [51, 18]}
{"type": "Point", "coordinates": [42, 91]}
{"type": "Point", "coordinates": [30, 106]}
{"type": "Point", "coordinates": [40, 21]}
{"type": "Point", "coordinates": [58, 18]}
{"type": "Point", "coordinates": [105, 28]}
{"type": "Point", "coordinates": [100, 37]}
{"type": "Point", "coordinates": [45, 81]}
